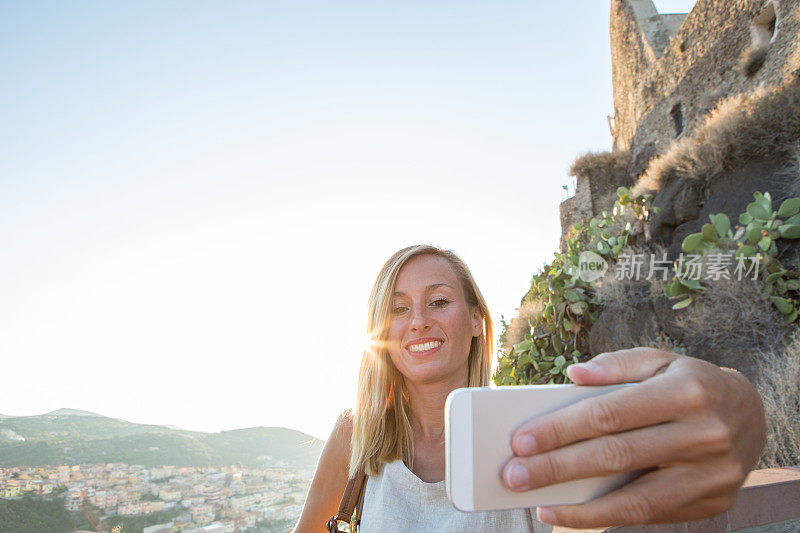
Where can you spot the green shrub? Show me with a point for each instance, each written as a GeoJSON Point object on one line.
{"type": "Point", "coordinates": [567, 305]}
{"type": "Point", "coordinates": [752, 243]}
{"type": "Point", "coordinates": [558, 336]}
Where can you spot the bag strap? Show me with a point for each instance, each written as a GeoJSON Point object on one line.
{"type": "Point", "coordinates": [351, 504]}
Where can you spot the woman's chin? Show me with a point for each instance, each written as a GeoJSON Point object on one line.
{"type": "Point", "coordinates": [427, 371]}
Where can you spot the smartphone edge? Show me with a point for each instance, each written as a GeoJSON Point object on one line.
{"type": "Point", "coordinates": [458, 407]}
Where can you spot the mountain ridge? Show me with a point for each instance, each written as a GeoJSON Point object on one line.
{"type": "Point", "coordinates": [65, 411]}
{"type": "Point", "coordinates": [69, 412]}
{"type": "Point", "coordinates": [74, 436]}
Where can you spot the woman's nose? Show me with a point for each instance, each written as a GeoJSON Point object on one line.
{"type": "Point", "coordinates": [420, 320]}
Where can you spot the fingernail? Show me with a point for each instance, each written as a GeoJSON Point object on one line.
{"type": "Point", "coordinates": [526, 444]}
{"type": "Point", "coordinates": [546, 515]}
{"type": "Point", "coordinates": [591, 366]}
{"type": "Point", "coordinates": [517, 477]}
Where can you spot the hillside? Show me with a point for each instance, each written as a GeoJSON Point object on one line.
{"type": "Point", "coordinates": [74, 412]}
{"type": "Point", "coordinates": [72, 437]}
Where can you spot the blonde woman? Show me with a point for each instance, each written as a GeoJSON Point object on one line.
{"type": "Point", "coordinates": [699, 428]}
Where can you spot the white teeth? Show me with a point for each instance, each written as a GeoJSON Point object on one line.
{"type": "Point", "coordinates": [424, 347]}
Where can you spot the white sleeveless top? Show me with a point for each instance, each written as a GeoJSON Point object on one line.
{"type": "Point", "coordinates": [397, 500]}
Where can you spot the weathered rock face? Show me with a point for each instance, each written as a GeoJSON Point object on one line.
{"type": "Point", "coordinates": [668, 74]}
{"type": "Point", "coordinates": [641, 160]}
{"type": "Point", "coordinates": [680, 202]}
{"type": "Point", "coordinates": [667, 319]}
{"type": "Point", "coordinates": [706, 113]}
{"type": "Point", "coordinates": [686, 204]}
{"type": "Point", "coordinates": [789, 254]}
{"type": "Point", "coordinates": [697, 66]}
{"type": "Point", "coordinates": [732, 327]}
{"type": "Point", "coordinates": [619, 328]}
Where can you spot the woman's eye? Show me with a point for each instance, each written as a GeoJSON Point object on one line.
{"type": "Point", "coordinates": [440, 302]}
{"type": "Point", "coordinates": [398, 310]}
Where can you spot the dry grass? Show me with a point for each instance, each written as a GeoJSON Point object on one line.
{"type": "Point", "coordinates": [519, 327]}
{"type": "Point", "coordinates": [657, 283]}
{"type": "Point", "coordinates": [732, 315]}
{"type": "Point", "coordinates": [595, 163]}
{"type": "Point", "coordinates": [621, 295]}
{"type": "Point", "coordinates": [779, 387]}
{"type": "Point", "coordinates": [764, 123]}
{"type": "Point", "coordinates": [624, 293]}
{"type": "Point", "coordinates": [664, 343]}
{"type": "Point", "coordinates": [624, 297]}
{"type": "Point", "coordinates": [606, 170]}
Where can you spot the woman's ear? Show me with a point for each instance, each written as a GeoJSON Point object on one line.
{"type": "Point", "coordinates": [477, 321]}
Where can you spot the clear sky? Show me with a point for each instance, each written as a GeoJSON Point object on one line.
{"type": "Point", "coordinates": [196, 196]}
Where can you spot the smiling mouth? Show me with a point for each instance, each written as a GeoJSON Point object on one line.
{"type": "Point", "coordinates": [424, 348]}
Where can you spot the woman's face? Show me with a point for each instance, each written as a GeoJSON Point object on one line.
{"type": "Point", "coordinates": [431, 324]}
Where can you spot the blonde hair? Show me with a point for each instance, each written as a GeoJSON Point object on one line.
{"type": "Point", "coordinates": [381, 424]}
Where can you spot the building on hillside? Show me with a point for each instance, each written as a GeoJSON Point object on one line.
{"type": "Point", "coordinates": [159, 528]}
{"type": "Point", "coordinates": [169, 494]}
{"type": "Point", "coordinates": [12, 489]}
{"type": "Point", "coordinates": [75, 498]}
{"type": "Point", "coordinates": [202, 514]}
{"type": "Point", "coordinates": [129, 509]}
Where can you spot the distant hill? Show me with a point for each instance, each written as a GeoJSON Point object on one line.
{"type": "Point", "coordinates": [71, 412]}
{"type": "Point", "coordinates": [71, 436]}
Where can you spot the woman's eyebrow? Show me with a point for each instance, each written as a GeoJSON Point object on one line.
{"type": "Point", "coordinates": [427, 289]}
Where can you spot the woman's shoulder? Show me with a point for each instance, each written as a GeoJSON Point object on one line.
{"type": "Point", "coordinates": [343, 430]}
{"type": "Point", "coordinates": [330, 477]}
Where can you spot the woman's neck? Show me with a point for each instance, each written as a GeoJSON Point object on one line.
{"type": "Point", "coordinates": [427, 406]}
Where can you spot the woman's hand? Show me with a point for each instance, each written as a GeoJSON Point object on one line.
{"type": "Point", "coordinates": [700, 427]}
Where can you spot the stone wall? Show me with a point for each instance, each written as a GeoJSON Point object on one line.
{"type": "Point", "coordinates": [574, 210]}
{"type": "Point", "coordinates": [598, 175]}
{"type": "Point", "coordinates": [699, 65]}
{"type": "Point", "coordinates": [768, 503]}
{"type": "Point", "coordinates": [672, 69]}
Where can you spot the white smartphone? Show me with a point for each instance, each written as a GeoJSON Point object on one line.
{"type": "Point", "coordinates": [479, 424]}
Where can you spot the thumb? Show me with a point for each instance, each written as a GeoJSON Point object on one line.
{"type": "Point", "coordinates": [622, 366]}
